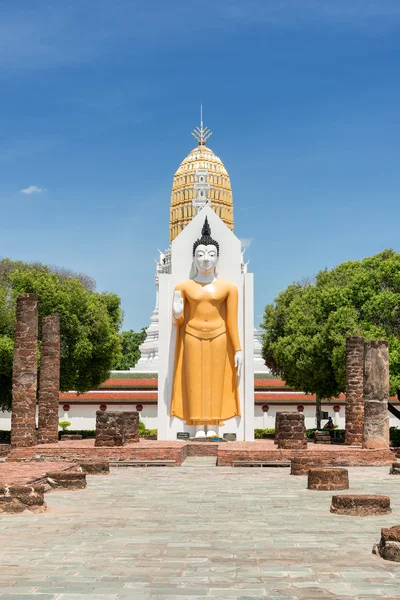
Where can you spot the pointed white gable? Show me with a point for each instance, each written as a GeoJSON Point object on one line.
{"type": "Point", "coordinates": [229, 264]}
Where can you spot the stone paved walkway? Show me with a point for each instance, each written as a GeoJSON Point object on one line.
{"type": "Point", "coordinates": [199, 533]}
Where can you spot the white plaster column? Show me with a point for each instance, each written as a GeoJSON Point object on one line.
{"type": "Point", "coordinates": [248, 342]}
{"type": "Point", "coordinates": [336, 410]}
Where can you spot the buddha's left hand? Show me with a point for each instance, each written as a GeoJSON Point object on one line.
{"type": "Point", "coordinates": [238, 361]}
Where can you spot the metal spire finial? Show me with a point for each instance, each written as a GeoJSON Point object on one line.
{"type": "Point", "coordinates": [201, 133]}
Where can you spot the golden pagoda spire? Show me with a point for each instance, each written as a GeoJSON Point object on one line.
{"type": "Point", "coordinates": [200, 180]}
{"type": "Point", "coordinates": [201, 133]}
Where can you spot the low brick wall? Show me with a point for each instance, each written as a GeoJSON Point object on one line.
{"type": "Point", "coordinates": [85, 451]}
{"type": "Point", "coordinates": [66, 480]}
{"type": "Point", "coordinates": [30, 473]}
{"type": "Point", "coordinates": [18, 498]}
{"type": "Point", "coordinates": [95, 467]}
{"type": "Point", "coordinates": [227, 453]}
{"type": "Point", "coordinates": [319, 456]}
{"type": "Point", "coordinates": [203, 448]}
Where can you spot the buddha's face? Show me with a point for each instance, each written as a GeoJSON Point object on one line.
{"type": "Point", "coordinates": [205, 258]}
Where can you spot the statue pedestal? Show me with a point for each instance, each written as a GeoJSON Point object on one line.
{"type": "Point", "coordinates": [229, 268]}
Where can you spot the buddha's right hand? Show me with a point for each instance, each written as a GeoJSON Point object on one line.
{"type": "Point", "coordinates": [177, 305]}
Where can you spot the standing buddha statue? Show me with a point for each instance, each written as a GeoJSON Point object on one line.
{"type": "Point", "coordinates": [208, 356]}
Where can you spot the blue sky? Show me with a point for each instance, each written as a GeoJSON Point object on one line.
{"type": "Point", "coordinates": [98, 98]}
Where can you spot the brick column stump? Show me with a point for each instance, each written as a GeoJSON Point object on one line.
{"type": "Point", "coordinates": [360, 505]}
{"type": "Point", "coordinates": [49, 386]}
{"type": "Point", "coordinates": [24, 381]}
{"type": "Point", "coordinates": [291, 431]}
{"type": "Point", "coordinates": [354, 414]}
{"type": "Point", "coordinates": [131, 426]}
{"type": "Point", "coordinates": [376, 395]}
{"type": "Point", "coordinates": [328, 479]}
{"type": "Point", "coordinates": [109, 428]}
{"type": "Point", "coordinates": [302, 464]}
{"type": "Point", "coordinates": [389, 545]}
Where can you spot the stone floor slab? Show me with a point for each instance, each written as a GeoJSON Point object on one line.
{"type": "Point", "coordinates": [199, 532]}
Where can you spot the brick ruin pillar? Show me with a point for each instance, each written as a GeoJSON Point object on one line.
{"type": "Point", "coordinates": [131, 426]}
{"type": "Point", "coordinates": [376, 395]}
{"type": "Point", "coordinates": [354, 391]}
{"type": "Point", "coordinates": [115, 428]}
{"type": "Point", "coordinates": [49, 381]}
{"type": "Point", "coordinates": [24, 381]}
{"type": "Point", "coordinates": [291, 430]}
{"type": "Point", "coordinates": [109, 428]}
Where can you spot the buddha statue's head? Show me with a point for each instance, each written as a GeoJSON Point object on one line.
{"type": "Point", "coordinates": [205, 252]}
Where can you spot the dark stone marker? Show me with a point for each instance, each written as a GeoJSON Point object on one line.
{"type": "Point", "coordinates": [24, 382]}
{"type": "Point", "coordinates": [230, 437]}
{"type": "Point", "coordinates": [376, 395]}
{"type": "Point", "coordinates": [49, 383]}
{"type": "Point", "coordinates": [354, 391]}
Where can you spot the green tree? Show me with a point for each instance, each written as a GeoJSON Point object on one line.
{"type": "Point", "coordinates": [305, 329]}
{"type": "Point", "coordinates": [130, 342]}
{"type": "Point", "coordinates": [89, 323]}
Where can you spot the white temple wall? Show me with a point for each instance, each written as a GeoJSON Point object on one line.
{"type": "Point", "coordinates": [84, 417]}
{"type": "Point", "coordinates": [5, 421]}
{"type": "Point", "coordinates": [266, 420]}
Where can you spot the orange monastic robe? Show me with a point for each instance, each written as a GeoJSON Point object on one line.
{"type": "Point", "coordinates": [205, 387]}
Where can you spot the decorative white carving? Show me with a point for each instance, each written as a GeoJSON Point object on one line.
{"type": "Point", "coordinates": [149, 349]}
{"type": "Point", "coordinates": [201, 188]}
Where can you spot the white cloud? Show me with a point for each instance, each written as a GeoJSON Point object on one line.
{"type": "Point", "coordinates": [32, 189]}
{"type": "Point", "coordinates": [246, 242]}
